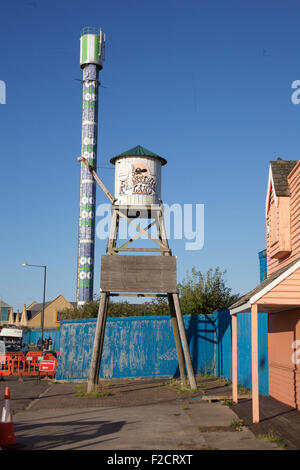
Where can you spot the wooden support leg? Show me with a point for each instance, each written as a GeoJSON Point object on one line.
{"type": "Point", "coordinates": [184, 343]}
{"type": "Point", "coordinates": [95, 367]}
{"type": "Point", "coordinates": [177, 339]}
{"type": "Point", "coordinates": [254, 341]}
{"type": "Point", "coordinates": [234, 359]}
{"type": "Point", "coordinates": [102, 339]}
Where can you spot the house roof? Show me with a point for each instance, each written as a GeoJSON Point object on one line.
{"type": "Point", "coordinates": [266, 285]}
{"type": "Point", "coordinates": [280, 171]}
{"type": "Point", "coordinates": [138, 151]}
{"type": "Point", "coordinates": [36, 309]}
{"type": "Point", "coordinates": [4, 304]}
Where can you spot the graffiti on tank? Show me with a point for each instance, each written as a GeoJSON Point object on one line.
{"type": "Point", "coordinates": [138, 181]}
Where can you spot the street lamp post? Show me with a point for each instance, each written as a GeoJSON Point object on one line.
{"type": "Point", "coordinates": [44, 293]}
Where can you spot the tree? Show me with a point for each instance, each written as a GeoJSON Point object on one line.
{"type": "Point", "coordinates": [205, 293]}
{"type": "Point", "coordinates": [117, 309]}
{"type": "Point", "coordinates": [89, 310]}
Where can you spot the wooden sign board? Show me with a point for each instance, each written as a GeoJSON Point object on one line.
{"type": "Point", "coordinates": [129, 273]}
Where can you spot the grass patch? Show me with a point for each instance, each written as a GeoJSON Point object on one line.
{"type": "Point", "coordinates": [180, 386]}
{"type": "Point", "coordinates": [226, 382]}
{"type": "Point", "coordinates": [243, 389]}
{"type": "Point", "coordinates": [273, 438]}
{"type": "Point", "coordinates": [206, 375]}
{"type": "Point", "coordinates": [99, 391]}
{"type": "Point", "coordinates": [228, 402]}
{"type": "Point", "coordinates": [237, 424]}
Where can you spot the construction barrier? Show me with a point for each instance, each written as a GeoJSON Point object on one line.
{"type": "Point", "coordinates": [29, 365]}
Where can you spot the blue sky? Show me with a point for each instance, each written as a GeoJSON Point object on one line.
{"type": "Point", "coordinates": [206, 84]}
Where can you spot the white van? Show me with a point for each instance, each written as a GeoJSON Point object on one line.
{"type": "Point", "coordinates": [11, 334]}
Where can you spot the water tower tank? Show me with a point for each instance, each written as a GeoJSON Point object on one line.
{"type": "Point", "coordinates": [92, 47]}
{"type": "Point", "coordinates": [138, 177]}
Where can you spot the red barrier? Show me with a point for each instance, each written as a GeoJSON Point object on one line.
{"type": "Point", "coordinates": [5, 365]}
{"type": "Point", "coordinates": [33, 359]}
{"type": "Point", "coordinates": [17, 364]}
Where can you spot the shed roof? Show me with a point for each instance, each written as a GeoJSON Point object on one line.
{"type": "Point", "coordinates": [138, 151]}
{"type": "Point", "coordinates": [246, 298]}
{"type": "Point", "coordinates": [280, 171]}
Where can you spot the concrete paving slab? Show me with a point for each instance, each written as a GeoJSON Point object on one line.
{"type": "Point", "coordinates": [209, 414]}
{"type": "Point", "coordinates": [237, 440]}
{"type": "Point", "coordinates": [137, 415]}
{"type": "Point", "coordinates": [143, 427]}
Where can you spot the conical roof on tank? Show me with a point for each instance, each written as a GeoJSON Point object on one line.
{"type": "Point", "coordinates": [138, 151]}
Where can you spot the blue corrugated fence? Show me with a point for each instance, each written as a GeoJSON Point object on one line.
{"type": "Point", "coordinates": [144, 347]}
{"type": "Point", "coordinates": [32, 337]}
{"type": "Point", "coordinates": [263, 274]}
{"type": "Point", "coordinates": [224, 362]}
{"type": "Point", "coordinates": [134, 347]}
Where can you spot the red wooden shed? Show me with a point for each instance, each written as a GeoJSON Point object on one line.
{"type": "Point", "coordinates": [279, 294]}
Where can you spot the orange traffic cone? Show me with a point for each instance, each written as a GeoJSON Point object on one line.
{"type": "Point", "coordinates": [7, 435]}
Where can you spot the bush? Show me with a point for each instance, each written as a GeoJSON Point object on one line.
{"type": "Point", "coordinates": [205, 293]}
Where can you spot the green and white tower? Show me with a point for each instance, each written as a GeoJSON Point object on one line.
{"type": "Point", "coordinates": [92, 54]}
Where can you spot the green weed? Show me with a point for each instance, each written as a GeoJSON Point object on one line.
{"type": "Point", "coordinates": [270, 436]}
{"type": "Point", "coordinates": [181, 386]}
{"type": "Point", "coordinates": [226, 382]}
{"type": "Point", "coordinates": [228, 402]}
{"type": "Point", "coordinates": [99, 391]}
{"type": "Point", "coordinates": [237, 424]}
{"type": "Point", "coordinates": [243, 389]}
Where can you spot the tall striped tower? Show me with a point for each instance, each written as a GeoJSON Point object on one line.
{"type": "Point", "coordinates": [92, 43]}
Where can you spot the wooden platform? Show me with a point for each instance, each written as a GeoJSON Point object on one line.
{"type": "Point", "coordinates": [275, 416]}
